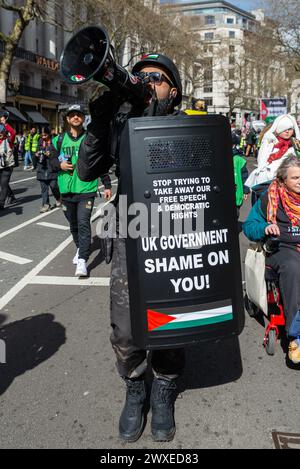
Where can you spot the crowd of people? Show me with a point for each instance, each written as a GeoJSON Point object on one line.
{"type": "Point", "coordinates": [53, 158]}
{"type": "Point", "coordinates": [275, 187]}
{"type": "Point", "coordinates": [70, 164]}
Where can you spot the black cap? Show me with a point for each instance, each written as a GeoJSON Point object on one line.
{"type": "Point", "coordinates": [162, 61]}
{"type": "Point", "coordinates": [76, 108]}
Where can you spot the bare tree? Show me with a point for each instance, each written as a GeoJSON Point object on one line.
{"type": "Point", "coordinates": [286, 18]}
{"type": "Point", "coordinates": [252, 68]}
{"type": "Point", "coordinates": [194, 58]}
{"type": "Point", "coordinates": [134, 27]}
{"type": "Point", "coordinates": [24, 13]}
{"type": "Point", "coordinates": [138, 28]}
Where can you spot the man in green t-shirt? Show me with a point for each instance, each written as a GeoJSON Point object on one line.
{"type": "Point", "coordinates": [77, 196]}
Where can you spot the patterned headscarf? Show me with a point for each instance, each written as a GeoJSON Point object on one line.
{"type": "Point", "coordinates": [290, 202]}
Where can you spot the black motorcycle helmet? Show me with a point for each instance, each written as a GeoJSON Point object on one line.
{"type": "Point", "coordinates": [166, 64]}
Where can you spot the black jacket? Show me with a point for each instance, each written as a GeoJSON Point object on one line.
{"type": "Point", "coordinates": [45, 170]}
{"type": "Point", "coordinates": [100, 149]}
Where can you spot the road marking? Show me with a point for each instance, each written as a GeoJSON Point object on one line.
{"type": "Point", "coordinates": [35, 271]}
{"type": "Point", "coordinates": [52, 280]}
{"type": "Point", "coordinates": [38, 268]}
{"type": "Point", "coordinates": [22, 180]}
{"type": "Point", "coordinates": [100, 207]}
{"type": "Point", "coordinates": [26, 223]}
{"type": "Point", "coordinates": [12, 258]}
{"type": "Point", "coordinates": [54, 225]}
{"type": "Point", "coordinates": [32, 220]}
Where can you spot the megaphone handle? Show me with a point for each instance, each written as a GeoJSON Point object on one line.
{"type": "Point", "coordinates": [113, 52]}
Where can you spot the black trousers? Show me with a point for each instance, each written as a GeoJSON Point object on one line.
{"type": "Point", "coordinates": [78, 214]}
{"type": "Point", "coordinates": [10, 192]}
{"type": "Point", "coordinates": [34, 160]}
{"type": "Point", "coordinates": [45, 185]}
{"type": "Point", "coordinates": [286, 262]}
{"type": "Point", "coordinates": [5, 175]}
{"type": "Point", "coordinates": [131, 360]}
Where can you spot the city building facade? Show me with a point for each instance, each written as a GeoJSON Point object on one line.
{"type": "Point", "coordinates": [36, 91]}
{"type": "Point", "coordinates": [233, 78]}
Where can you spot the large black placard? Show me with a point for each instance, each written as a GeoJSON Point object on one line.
{"type": "Point", "coordinates": [184, 268]}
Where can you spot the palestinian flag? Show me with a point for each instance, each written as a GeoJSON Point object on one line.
{"type": "Point", "coordinates": [263, 110]}
{"type": "Point", "coordinates": [150, 56]}
{"type": "Point", "coordinates": [77, 78]}
{"type": "Point", "coordinates": [158, 321]}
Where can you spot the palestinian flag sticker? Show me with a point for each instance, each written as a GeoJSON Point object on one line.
{"type": "Point", "coordinates": [150, 56]}
{"type": "Point", "coordinates": [158, 321]}
{"type": "Point", "coordinates": [77, 78]}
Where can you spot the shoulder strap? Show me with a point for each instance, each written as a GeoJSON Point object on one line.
{"type": "Point", "coordinates": [59, 141]}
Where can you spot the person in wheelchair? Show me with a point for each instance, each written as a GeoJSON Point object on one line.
{"type": "Point", "coordinates": [277, 214]}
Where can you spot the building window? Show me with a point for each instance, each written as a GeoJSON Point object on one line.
{"type": "Point", "coordinates": [208, 49]}
{"type": "Point", "coordinates": [232, 34]}
{"type": "Point", "coordinates": [209, 101]}
{"type": "Point", "coordinates": [230, 20]}
{"type": "Point", "coordinates": [232, 49]}
{"type": "Point", "coordinates": [231, 60]}
{"type": "Point", "coordinates": [24, 79]}
{"type": "Point", "coordinates": [208, 80]}
{"type": "Point", "coordinates": [209, 20]}
{"type": "Point", "coordinates": [231, 74]}
{"type": "Point", "coordinates": [208, 36]}
{"type": "Point", "coordinates": [63, 89]}
{"type": "Point", "coordinates": [46, 85]}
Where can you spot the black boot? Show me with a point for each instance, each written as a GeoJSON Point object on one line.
{"type": "Point", "coordinates": [132, 418]}
{"type": "Point", "coordinates": [162, 405]}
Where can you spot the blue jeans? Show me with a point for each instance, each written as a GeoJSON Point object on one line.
{"type": "Point", "coordinates": [28, 158]}
{"type": "Point", "coordinates": [294, 330]}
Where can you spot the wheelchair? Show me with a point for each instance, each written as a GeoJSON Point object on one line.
{"type": "Point", "coordinates": [275, 314]}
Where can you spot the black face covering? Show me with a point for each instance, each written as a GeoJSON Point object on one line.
{"type": "Point", "coordinates": [160, 107]}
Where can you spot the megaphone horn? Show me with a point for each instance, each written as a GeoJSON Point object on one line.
{"type": "Point", "coordinates": [87, 56]}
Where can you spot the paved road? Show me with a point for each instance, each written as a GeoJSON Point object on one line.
{"type": "Point", "coordinates": [59, 388]}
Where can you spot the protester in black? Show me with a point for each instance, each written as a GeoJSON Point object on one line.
{"type": "Point", "coordinates": [103, 138]}
{"type": "Point", "coordinates": [45, 173]}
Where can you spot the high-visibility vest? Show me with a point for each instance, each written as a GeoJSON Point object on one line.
{"type": "Point", "coordinates": [31, 143]}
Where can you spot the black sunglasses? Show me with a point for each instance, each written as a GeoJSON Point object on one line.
{"type": "Point", "coordinates": [154, 77]}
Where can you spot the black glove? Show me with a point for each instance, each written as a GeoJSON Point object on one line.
{"type": "Point", "coordinates": [272, 244]}
{"type": "Point", "coordinates": [104, 107]}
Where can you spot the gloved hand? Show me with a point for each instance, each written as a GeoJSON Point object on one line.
{"type": "Point", "coordinates": [103, 107]}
